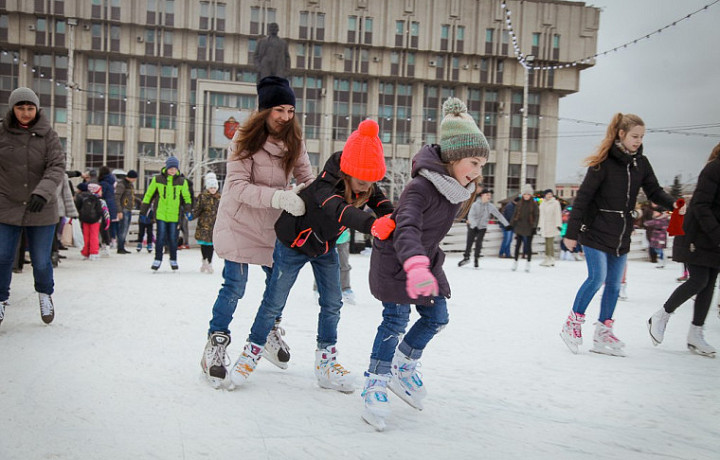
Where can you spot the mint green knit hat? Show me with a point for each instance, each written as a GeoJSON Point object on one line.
{"type": "Point", "coordinates": [460, 136]}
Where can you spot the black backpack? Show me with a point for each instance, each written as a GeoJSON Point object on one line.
{"type": "Point", "coordinates": [90, 209]}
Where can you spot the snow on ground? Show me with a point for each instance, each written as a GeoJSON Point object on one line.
{"type": "Point", "coordinates": [117, 375]}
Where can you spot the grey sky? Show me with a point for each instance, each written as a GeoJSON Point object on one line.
{"type": "Point", "coordinates": [671, 80]}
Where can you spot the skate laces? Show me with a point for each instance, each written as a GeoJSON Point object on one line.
{"type": "Point", "coordinates": [217, 355]}
{"type": "Point", "coordinates": [46, 305]}
{"type": "Point", "coordinates": [408, 372]}
{"type": "Point", "coordinates": [606, 332]}
{"type": "Point", "coordinates": [574, 323]}
{"type": "Point", "coordinates": [248, 361]}
{"type": "Point", "coordinates": [331, 366]}
{"type": "Point", "coordinates": [275, 338]}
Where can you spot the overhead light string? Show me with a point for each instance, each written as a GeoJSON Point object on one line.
{"type": "Point", "coordinates": [522, 58]}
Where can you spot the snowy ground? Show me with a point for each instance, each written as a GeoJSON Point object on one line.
{"type": "Point", "coordinates": [117, 375]}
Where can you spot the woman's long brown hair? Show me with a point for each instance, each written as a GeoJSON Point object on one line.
{"type": "Point", "coordinates": [254, 133]}
{"type": "Point", "coordinates": [624, 122]}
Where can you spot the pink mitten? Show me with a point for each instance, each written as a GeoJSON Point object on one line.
{"type": "Point", "coordinates": [420, 281]}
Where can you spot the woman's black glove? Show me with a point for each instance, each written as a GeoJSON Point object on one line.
{"type": "Point", "coordinates": [36, 203]}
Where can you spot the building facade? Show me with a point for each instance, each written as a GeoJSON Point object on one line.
{"type": "Point", "coordinates": [127, 82]}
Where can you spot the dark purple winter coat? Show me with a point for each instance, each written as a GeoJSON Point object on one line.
{"type": "Point", "coordinates": [423, 218]}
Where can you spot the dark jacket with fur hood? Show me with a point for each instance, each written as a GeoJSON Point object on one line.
{"type": "Point", "coordinates": [327, 214]}
{"type": "Point", "coordinates": [602, 214]}
{"type": "Point", "coordinates": [701, 243]}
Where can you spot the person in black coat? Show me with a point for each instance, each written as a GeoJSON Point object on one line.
{"type": "Point", "coordinates": [699, 248]}
{"type": "Point", "coordinates": [602, 221]}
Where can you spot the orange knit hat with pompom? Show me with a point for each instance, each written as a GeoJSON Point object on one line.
{"type": "Point", "coordinates": [363, 157]}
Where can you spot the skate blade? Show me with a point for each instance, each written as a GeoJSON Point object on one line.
{"type": "Point", "coordinates": [571, 345]}
{"type": "Point", "coordinates": [608, 351]}
{"type": "Point", "coordinates": [275, 362]}
{"type": "Point", "coordinates": [347, 389]}
{"type": "Point", "coordinates": [374, 421]}
{"type": "Point", "coordinates": [700, 352]}
{"type": "Point", "coordinates": [405, 396]}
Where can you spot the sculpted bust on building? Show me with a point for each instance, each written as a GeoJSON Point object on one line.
{"type": "Point", "coordinates": [272, 56]}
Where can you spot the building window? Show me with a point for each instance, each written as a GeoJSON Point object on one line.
{"type": "Point", "coordinates": [368, 31]}
{"type": "Point", "coordinates": [304, 25]}
{"type": "Point", "coordinates": [4, 27]}
{"type": "Point", "coordinates": [489, 126]}
{"type": "Point", "coordinates": [535, 50]}
{"type": "Point", "coordinates": [308, 91]}
{"type": "Point", "coordinates": [350, 99]}
{"type": "Point", "coordinates": [460, 39]}
{"type": "Point", "coordinates": [352, 29]}
{"type": "Point", "coordinates": [204, 23]}
{"type": "Point", "coordinates": [403, 113]}
{"type": "Point", "coordinates": [556, 47]}
{"type": "Point", "coordinates": [414, 34]}
{"type": "Point", "coordinates": [444, 36]}
{"type": "Point", "coordinates": [488, 175]}
{"type": "Point", "coordinates": [158, 96]}
{"type": "Point", "coordinates": [433, 99]}
{"type": "Point", "coordinates": [260, 17]}
{"type": "Point", "coordinates": [53, 98]}
{"type": "Point", "coordinates": [94, 153]}
{"type": "Point", "coordinates": [399, 33]}
{"type": "Point", "coordinates": [505, 43]}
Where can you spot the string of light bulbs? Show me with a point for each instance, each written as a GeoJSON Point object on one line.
{"type": "Point", "coordinates": [522, 58]}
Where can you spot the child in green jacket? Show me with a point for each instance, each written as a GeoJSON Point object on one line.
{"type": "Point", "coordinates": [165, 191]}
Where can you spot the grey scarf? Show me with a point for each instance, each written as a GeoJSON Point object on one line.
{"type": "Point", "coordinates": [448, 186]}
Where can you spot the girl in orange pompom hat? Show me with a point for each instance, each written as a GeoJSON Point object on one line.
{"type": "Point", "coordinates": [332, 204]}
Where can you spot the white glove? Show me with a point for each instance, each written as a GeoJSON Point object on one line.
{"type": "Point", "coordinates": [289, 201]}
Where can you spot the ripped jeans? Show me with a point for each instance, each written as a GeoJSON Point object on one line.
{"type": "Point", "coordinates": [395, 319]}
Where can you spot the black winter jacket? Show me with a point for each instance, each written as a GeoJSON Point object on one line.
{"type": "Point", "coordinates": [602, 214]}
{"type": "Point", "coordinates": [701, 243]}
{"type": "Point", "coordinates": [327, 214]}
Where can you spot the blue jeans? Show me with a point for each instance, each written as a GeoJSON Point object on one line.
{"type": "Point", "coordinates": [166, 234]}
{"type": "Point", "coordinates": [603, 267]}
{"type": "Point", "coordinates": [40, 240]}
{"type": "Point", "coordinates": [395, 320]}
{"type": "Point", "coordinates": [123, 228]}
{"type": "Point", "coordinates": [235, 276]}
{"type": "Point", "coordinates": [506, 242]}
{"type": "Point", "coordinates": [286, 266]}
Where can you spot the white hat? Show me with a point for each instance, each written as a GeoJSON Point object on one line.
{"type": "Point", "coordinates": [527, 189]}
{"type": "Point", "coordinates": [211, 180]}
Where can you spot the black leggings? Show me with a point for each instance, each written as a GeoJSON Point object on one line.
{"type": "Point", "coordinates": [526, 242]}
{"type": "Point", "coordinates": [701, 284]}
{"type": "Point", "coordinates": [207, 251]}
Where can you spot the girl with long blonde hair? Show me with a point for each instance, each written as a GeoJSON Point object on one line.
{"type": "Point", "coordinates": [602, 221]}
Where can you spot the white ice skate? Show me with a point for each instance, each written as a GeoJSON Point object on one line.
{"type": "Point", "coordinates": [246, 363]}
{"type": "Point", "coordinates": [330, 374]}
{"type": "Point", "coordinates": [215, 360]}
{"type": "Point", "coordinates": [406, 381]}
{"type": "Point", "coordinates": [657, 324]}
{"type": "Point", "coordinates": [605, 342]}
{"type": "Point", "coordinates": [377, 406]}
{"type": "Point", "coordinates": [571, 332]}
{"type": "Point", "coordinates": [277, 351]}
{"type": "Point", "coordinates": [697, 344]}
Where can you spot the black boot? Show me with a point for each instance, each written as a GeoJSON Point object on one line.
{"type": "Point", "coordinates": [464, 261]}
